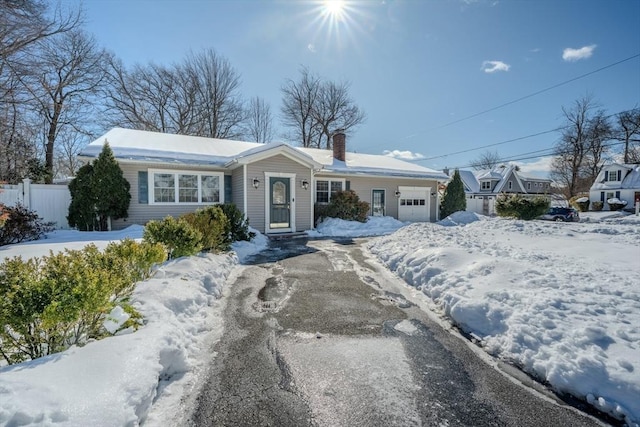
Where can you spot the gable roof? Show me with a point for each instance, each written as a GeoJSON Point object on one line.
{"type": "Point", "coordinates": [630, 179]}
{"type": "Point", "coordinates": [501, 173]}
{"type": "Point", "coordinates": [153, 147]}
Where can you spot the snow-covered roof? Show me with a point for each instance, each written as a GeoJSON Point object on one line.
{"type": "Point", "coordinates": [500, 173]}
{"type": "Point", "coordinates": [144, 146]}
{"type": "Point", "coordinates": [470, 181]}
{"type": "Point", "coordinates": [630, 177]}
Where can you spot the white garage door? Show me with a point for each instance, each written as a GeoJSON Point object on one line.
{"type": "Point", "coordinates": [414, 204]}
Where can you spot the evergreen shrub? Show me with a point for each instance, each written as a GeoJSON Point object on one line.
{"type": "Point", "coordinates": [517, 206]}
{"type": "Point", "coordinates": [454, 198]}
{"type": "Point", "coordinates": [56, 301]}
{"type": "Point", "coordinates": [238, 224]}
{"type": "Point", "coordinates": [213, 226]}
{"type": "Point", "coordinates": [343, 205]}
{"type": "Point", "coordinates": [177, 235]}
{"type": "Point", "coordinates": [597, 206]}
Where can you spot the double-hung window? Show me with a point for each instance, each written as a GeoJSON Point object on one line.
{"type": "Point", "coordinates": [185, 187]}
{"type": "Point", "coordinates": [613, 176]}
{"type": "Point", "coordinates": [327, 188]}
{"type": "Point", "coordinates": [486, 185]}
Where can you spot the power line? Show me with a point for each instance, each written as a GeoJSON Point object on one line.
{"type": "Point", "coordinates": [536, 154]}
{"type": "Point", "coordinates": [513, 139]}
{"type": "Point", "coordinates": [522, 98]}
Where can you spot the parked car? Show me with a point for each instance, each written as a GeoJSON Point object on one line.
{"type": "Point", "coordinates": [561, 214]}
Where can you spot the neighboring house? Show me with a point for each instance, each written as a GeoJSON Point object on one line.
{"type": "Point", "coordinates": [483, 187]}
{"type": "Point", "coordinates": [275, 185]}
{"type": "Point", "coordinates": [617, 181]}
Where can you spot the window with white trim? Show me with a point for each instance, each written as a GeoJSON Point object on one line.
{"type": "Point", "coordinates": [185, 187]}
{"type": "Point", "coordinates": [510, 185]}
{"type": "Point", "coordinates": [613, 176]}
{"type": "Point", "coordinates": [486, 185]}
{"type": "Point", "coordinates": [529, 185]}
{"type": "Point", "coordinates": [326, 188]}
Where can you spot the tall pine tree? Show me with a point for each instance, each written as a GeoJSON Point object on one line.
{"type": "Point", "coordinates": [99, 193]}
{"type": "Point", "coordinates": [454, 199]}
{"type": "Point", "coordinates": [110, 188]}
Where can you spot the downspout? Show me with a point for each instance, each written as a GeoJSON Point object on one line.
{"type": "Point", "coordinates": [244, 189]}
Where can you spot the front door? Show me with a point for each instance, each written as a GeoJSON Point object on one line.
{"type": "Point", "coordinates": [377, 203]}
{"type": "Point", "coordinates": [280, 204]}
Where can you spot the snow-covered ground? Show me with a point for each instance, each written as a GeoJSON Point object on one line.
{"type": "Point", "coordinates": [134, 377]}
{"type": "Point", "coordinates": [560, 300]}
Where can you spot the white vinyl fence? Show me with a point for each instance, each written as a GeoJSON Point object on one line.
{"type": "Point", "coordinates": [49, 201]}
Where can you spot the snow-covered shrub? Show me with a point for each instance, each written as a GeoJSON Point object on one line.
{"type": "Point", "coordinates": [616, 204]}
{"type": "Point", "coordinates": [597, 205]}
{"type": "Point", "coordinates": [343, 205]}
{"type": "Point", "coordinates": [177, 235]}
{"type": "Point", "coordinates": [213, 226]}
{"type": "Point", "coordinates": [63, 299]}
{"type": "Point", "coordinates": [517, 206]}
{"type": "Point", "coordinates": [581, 203]}
{"type": "Point", "coordinates": [21, 224]}
{"type": "Point", "coordinates": [238, 224]}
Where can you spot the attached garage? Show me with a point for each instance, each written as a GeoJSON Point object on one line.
{"type": "Point", "coordinates": [413, 204]}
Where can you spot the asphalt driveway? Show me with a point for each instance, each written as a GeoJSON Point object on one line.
{"type": "Point", "coordinates": [317, 335]}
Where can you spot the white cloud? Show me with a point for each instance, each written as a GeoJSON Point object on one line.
{"type": "Point", "coordinates": [540, 167]}
{"type": "Point", "coordinates": [493, 66]}
{"type": "Point", "coordinates": [403, 155]}
{"type": "Point", "coordinates": [311, 48]}
{"type": "Point", "coordinates": [571, 55]}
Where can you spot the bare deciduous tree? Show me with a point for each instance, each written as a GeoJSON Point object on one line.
{"type": "Point", "coordinates": [71, 69]}
{"type": "Point", "coordinates": [218, 103]}
{"type": "Point", "coordinates": [197, 97]}
{"type": "Point", "coordinates": [580, 153]}
{"type": "Point", "coordinates": [25, 22]}
{"type": "Point", "coordinates": [627, 130]}
{"type": "Point", "coordinates": [259, 121]}
{"type": "Point", "coordinates": [313, 109]}
{"type": "Point", "coordinates": [486, 160]}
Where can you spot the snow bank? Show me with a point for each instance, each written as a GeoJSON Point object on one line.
{"type": "Point", "coordinates": [461, 218]}
{"type": "Point", "coordinates": [559, 300]}
{"type": "Point", "coordinates": [375, 226]}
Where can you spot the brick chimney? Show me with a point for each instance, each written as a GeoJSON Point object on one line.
{"type": "Point", "coordinates": [339, 144]}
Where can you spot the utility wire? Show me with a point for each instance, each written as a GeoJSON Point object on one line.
{"type": "Point", "coordinates": [536, 154]}
{"type": "Point", "coordinates": [538, 92]}
{"type": "Point", "coordinates": [512, 140]}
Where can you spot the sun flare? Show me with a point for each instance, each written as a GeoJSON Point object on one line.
{"type": "Point", "coordinates": [334, 8]}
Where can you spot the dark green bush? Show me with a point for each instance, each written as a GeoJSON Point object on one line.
{"type": "Point", "coordinates": [520, 207]}
{"type": "Point", "coordinates": [344, 205]}
{"type": "Point", "coordinates": [454, 198]}
{"type": "Point", "coordinates": [21, 225]}
{"type": "Point", "coordinates": [213, 226]}
{"type": "Point", "coordinates": [238, 224]}
{"type": "Point", "coordinates": [53, 302]}
{"type": "Point", "coordinates": [177, 235]}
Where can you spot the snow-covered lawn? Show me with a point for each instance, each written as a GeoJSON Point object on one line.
{"type": "Point", "coordinates": [560, 300]}
{"type": "Point", "coordinates": [115, 381]}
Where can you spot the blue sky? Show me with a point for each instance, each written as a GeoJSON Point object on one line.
{"type": "Point", "coordinates": [414, 66]}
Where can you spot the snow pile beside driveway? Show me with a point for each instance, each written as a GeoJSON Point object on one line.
{"type": "Point", "coordinates": [133, 377]}
{"type": "Point", "coordinates": [559, 300]}
{"type": "Point", "coordinates": [375, 226]}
